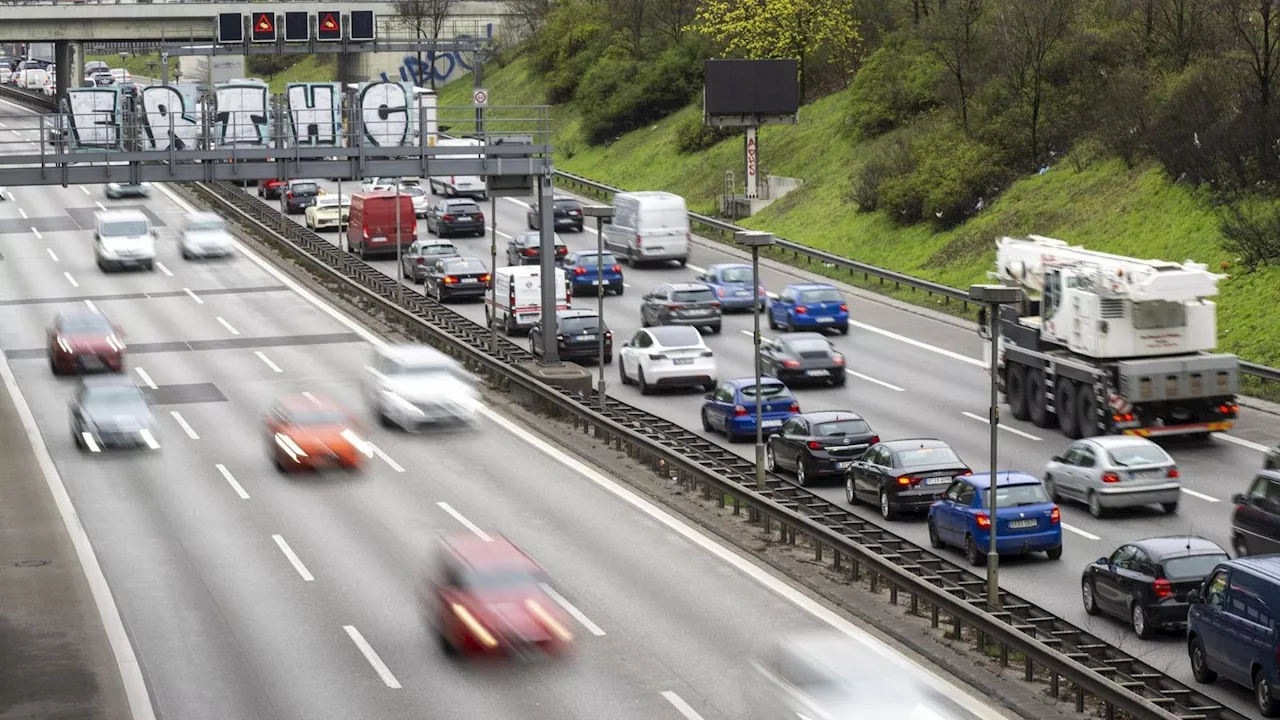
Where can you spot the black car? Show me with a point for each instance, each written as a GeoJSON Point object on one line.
{"type": "Point", "coordinates": [299, 195]}
{"type": "Point", "coordinates": [818, 444]}
{"type": "Point", "coordinates": [422, 256]}
{"type": "Point", "coordinates": [1145, 582]}
{"type": "Point", "coordinates": [457, 277]}
{"type": "Point", "coordinates": [111, 412]}
{"type": "Point", "coordinates": [566, 211]}
{"type": "Point", "coordinates": [526, 249]}
{"type": "Point", "coordinates": [455, 216]}
{"type": "Point", "coordinates": [798, 358]}
{"type": "Point", "coordinates": [903, 476]}
{"type": "Point", "coordinates": [1255, 522]}
{"type": "Point", "coordinates": [578, 336]}
{"type": "Point", "coordinates": [683, 303]}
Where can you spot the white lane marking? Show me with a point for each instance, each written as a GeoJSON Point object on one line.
{"type": "Point", "coordinates": [231, 480]}
{"type": "Point", "coordinates": [1004, 427]}
{"type": "Point", "coordinates": [85, 190]}
{"type": "Point", "coordinates": [227, 325]}
{"type": "Point", "coordinates": [1202, 496]}
{"type": "Point", "coordinates": [366, 649]}
{"type": "Point", "coordinates": [2, 125]}
{"type": "Point", "coordinates": [149, 439]}
{"type": "Point", "coordinates": [1241, 442]}
{"type": "Point", "coordinates": [70, 279]}
{"type": "Point", "coordinates": [697, 269]}
{"type": "Point", "coordinates": [15, 132]}
{"type": "Point", "coordinates": [386, 458]}
{"type": "Point", "coordinates": [52, 254]}
{"type": "Point", "coordinates": [870, 379]}
{"type": "Point", "coordinates": [577, 614]}
{"type": "Point", "coordinates": [923, 346]}
{"type": "Point", "coordinates": [1078, 531]}
{"type": "Point", "coordinates": [467, 523]}
{"type": "Point", "coordinates": [23, 213]}
{"type": "Point", "coordinates": [193, 296]}
{"type": "Point", "coordinates": [37, 234]}
{"type": "Point", "coordinates": [92, 308]}
{"type": "Point", "coordinates": [101, 206]}
{"type": "Point", "coordinates": [502, 234]}
{"type": "Point", "coordinates": [521, 203]}
{"type": "Point", "coordinates": [160, 266]}
{"type": "Point", "coordinates": [729, 557]}
{"type": "Point", "coordinates": [293, 558]}
{"type": "Point", "coordinates": [680, 705]}
{"type": "Point", "coordinates": [182, 423]}
{"type": "Point", "coordinates": [90, 442]}
{"type": "Point", "coordinates": [263, 357]}
{"type": "Point", "coordinates": [145, 378]}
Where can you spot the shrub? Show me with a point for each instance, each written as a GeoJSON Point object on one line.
{"type": "Point", "coordinates": [886, 161]}
{"type": "Point", "coordinates": [951, 173]}
{"type": "Point", "coordinates": [692, 135]}
{"type": "Point", "coordinates": [618, 94]}
{"type": "Point", "coordinates": [1251, 231]}
{"type": "Point", "coordinates": [896, 83]}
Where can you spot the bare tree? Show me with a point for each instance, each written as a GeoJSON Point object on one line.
{"type": "Point", "coordinates": [953, 35]}
{"type": "Point", "coordinates": [425, 18]}
{"type": "Point", "coordinates": [1031, 30]}
{"type": "Point", "coordinates": [529, 15]}
{"type": "Point", "coordinates": [1255, 27]}
{"type": "Point", "coordinates": [671, 17]}
{"type": "Point", "coordinates": [631, 16]}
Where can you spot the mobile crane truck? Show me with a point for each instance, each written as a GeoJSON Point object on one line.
{"type": "Point", "coordinates": [1102, 344]}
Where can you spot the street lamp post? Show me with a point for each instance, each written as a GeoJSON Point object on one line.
{"type": "Point", "coordinates": [600, 212]}
{"type": "Point", "coordinates": [755, 241]}
{"type": "Point", "coordinates": [992, 297]}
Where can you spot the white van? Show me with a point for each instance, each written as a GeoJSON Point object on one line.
{"type": "Point", "coordinates": [33, 78]}
{"type": "Point", "coordinates": [124, 238]}
{"type": "Point", "coordinates": [649, 227]}
{"type": "Point", "coordinates": [459, 185]}
{"type": "Point", "coordinates": [517, 297]}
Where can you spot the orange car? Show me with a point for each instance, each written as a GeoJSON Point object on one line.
{"type": "Point", "coordinates": [306, 432]}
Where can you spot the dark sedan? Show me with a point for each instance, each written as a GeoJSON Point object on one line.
{"type": "Point", "coordinates": [818, 444]}
{"type": "Point", "coordinates": [111, 412]}
{"type": "Point", "coordinates": [903, 476]}
{"type": "Point", "coordinates": [457, 278]}
{"type": "Point", "coordinates": [299, 195]}
{"type": "Point", "coordinates": [116, 191]}
{"type": "Point", "coordinates": [577, 335]}
{"type": "Point", "coordinates": [526, 249]}
{"type": "Point", "coordinates": [802, 358]}
{"type": "Point", "coordinates": [455, 216]}
{"type": "Point", "coordinates": [1145, 582]}
{"type": "Point", "coordinates": [567, 213]}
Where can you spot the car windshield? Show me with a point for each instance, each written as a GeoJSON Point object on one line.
{"type": "Point", "coordinates": [928, 456]}
{"type": "Point", "coordinates": [1191, 567]}
{"type": "Point", "coordinates": [1137, 454]}
{"type": "Point", "coordinates": [590, 260]}
{"type": "Point", "coordinates": [318, 417]}
{"type": "Point", "coordinates": [736, 275]}
{"type": "Point", "coordinates": [482, 579]}
{"type": "Point", "coordinates": [85, 324]}
{"type": "Point", "coordinates": [809, 345]}
{"type": "Point", "coordinates": [819, 296]}
{"type": "Point", "coordinates": [438, 250]}
{"type": "Point", "coordinates": [575, 325]}
{"type": "Point", "coordinates": [115, 400]}
{"type": "Point", "coordinates": [463, 209]}
{"type": "Point", "coordinates": [1016, 495]}
{"type": "Point", "coordinates": [118, 228]}
{"type": "Point", "coordinates": [841, 427]}
{"type": "Point", "coordinates": [412, 191]}
{"type": "Point", "coordinates": [202, 224]}
{"type": "Point", "coordinates": [693, 296]}
{"type": "Point", "coordinates": [767, 390]}
{"type": "Point", "coordinates": [566, 204]}
{"type": "Point", "coordinates": [464, 267]}
{"type": "Point", "coordinates": [304, 189]}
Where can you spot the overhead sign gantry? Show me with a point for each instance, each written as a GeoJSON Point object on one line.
{"type": "Point", "coordinates": [300, 26]}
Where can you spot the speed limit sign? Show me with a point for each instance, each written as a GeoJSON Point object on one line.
{"type": "Point", "coordinates": [480, 98]}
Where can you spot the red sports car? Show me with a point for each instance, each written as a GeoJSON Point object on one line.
{"type": "Point", "coordinates": [307, 432]}
{"type": "Point", "coordinates": [84, 341]}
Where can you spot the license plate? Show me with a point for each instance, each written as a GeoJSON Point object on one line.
{"type": "Point", "coordinates": [825, 319]}
{"type": "Point", "coordinates": [1019, 524]}
{"type": "Point", "coordinates": [938, 481]}
{"type": "Point", "coordinates": [816, 373]}
{"type": "Point", "coordinates": [470, 280]}
{"type": "Point", "coordinates": [843, 465]}
{"type": "Point", "coordinates": [1146, 474]}
{"type": "Point", "coordinates": [379, 239]}
{"type": "Point", "coordinates": [588, 337]}
{"type": "Point", "coordinates": [743, 293]}
{"type": "Point", "coordinates": [771, 423]}
{"type": "Point", "coordinates": [595, 282]}
{"type": "Point", "coordinates": [652, 249]}
{"type": "Point", "coordinates": [682, 361]}
{"type": "Point", "coordinates": [464, 217]}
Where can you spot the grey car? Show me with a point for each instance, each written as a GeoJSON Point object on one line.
{"type": "Point", "coordinates": [683, 303]}
{"type": "Point", "coordinates": [1116, 471]}
{"type": "Point", "coordinates": [116, 191]}
{"type": "Point", "coordinates": [112, 413]}
{"type": "Point", "coordinates": [422, 256]}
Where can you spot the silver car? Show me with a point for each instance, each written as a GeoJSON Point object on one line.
{"type": "Point", "coordinates": [1117, 471]}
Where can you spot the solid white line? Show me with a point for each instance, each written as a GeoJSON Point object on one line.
{"type": "Point", "coordinates": [1202, 496]}
{"type": "Point", "coordinates": [386, 458]}
{"type": "Point", "coordinates": [1241, 442]}
{"type": "Point", "coordinates": [1013, 430]}
{"type": "Point", "coordinates": [146, 378]}
{"type": "Point", "coordinates": [1078, 531]}
{"type": "Point", "coordinates": [37, 234]}
{"type": "Point", "coordinates": [52, 254]}
{"type": "Point", "coordinates": [263, 357]}
{"type": "Point", "coordinates": [182, 423]}
{"type": "Point", "coordinates": [577, 614]}
{"type": "Point", "coordinates": [92, 308]}
{"type": "Point", "coordinates": [227, 325]}
{"type": "Point", "coordinates": [923, 346]}
{"type": "Point", "coordinates": [160, 266]}
{"type": "Point", "coordinates": [696, 269]}
{"type": "Point", "coordinates": [469, 525]}
{"type": "Point", "coordinates": [502, 234]}
{"type": "Point", "coordinates": [84, 189]}
{"type": "Point", "coordinates": [232, 481]}
{"type": "Point", "coordinates": [23, 213]}
{"type": "Point", "coordinates": [870, 379]}
{"type": "Point", "coordinates": [193, 296]}
{"type": "Point", "coordinates": [367, 650]}
{"type": "Point", "coordinates": [70, 279]}
{"type": "Point", "coordinates": [521, 203]}
{"type": "Point", "coordinates": [101, 206]}
{"type": "Point", "coordinates": [293, 558]}
{"type": "Point", "coordinates": [683, 707]}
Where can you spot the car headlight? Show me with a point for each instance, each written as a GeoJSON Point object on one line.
{"type": "Point", "coordinates": [66, 346]}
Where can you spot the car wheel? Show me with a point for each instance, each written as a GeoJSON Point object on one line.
{"type": "Point", "coordinates": [446, 647]}
{"type": "Point", "coordinates": [150, 266]}
{"type": "Point", "coordinates": [1199, 662]}
{"type": "Point", "coordinates": [622, 373]}
{"type": "Point", "coordinates": [706, 422]}
{"type": "Point", "coordinates": [791, 325]}
{"type": "Point", "coordinates": [802, 471]}
{"type": "Point", "coordinates": [53, 366]}
{"type": "Point", "coordinates": [1140, 622]}
{"type": "Point", "coordinates": [437, 293]}
{"type": "Point", "coordinates": [715, 329]}
{"type": "Point", "coordinates": [1087, 597]}
{"type": "Point", "coordinates": [1095, 506]}
{"type": "Point", "coordinates": [935, 540]}
{"type": "Point", "coordinates": [1169, 508]}
{"type": "Point", "coordinates": [1054, 553]}
{"type": "Point", "coordinates": [619, 289]}
{"type": "Point", "coordinates": [770, 460]}
{"type": "Point", "coordinates": [1267, 705]}
{"type": "Point", "coordinates": [1237, 544]}
{"type": "Point", "coordinates": [886, 508]}
{"type": "Point", "coordinates": [844, 329]}
{"type": "Point", "coordinates": [849, 495]}
{"type": "Point", "coordinates": [644, 386]}
{"type": "Point", "coordinates": [185, 254]}
{"type": "Point", "coordinates": [1016, 391]}
{"type": "Point", "coordinates": [1051, 488]}
{"type": "Point", "coordinates": [385, 420]}
{"type": "Point", "coordinates": [971, 552]}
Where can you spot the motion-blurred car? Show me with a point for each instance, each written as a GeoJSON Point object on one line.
{"type": "Point", "coordinates": [577, 336]}
{"type": "Point", "coordinates": [205, 235]}
{"type": "Point", "coordinates": [669, 356]}
{"type": "Point", "coordinates": [82, 340]}
{"type": "Point", "coordinates": [818, 445]}
{"type": "Point", "coordinates": [271, 189]}
{"type": "Point", "coordinates": [123, 239]}
{"type": "Point", "coordinates": [307, 432]}
{"type": "Point", "coordinates": [457, 278]}
{"type": "Point", "coordinates": [566, 212]}
{"type": "Point", "coordinates": [1115, 471]}
{"type": "Point", "coordinates": [1255, 519]}
{"type": "Point", "coordinates": [681, 303]}
{"type": "Point", "coordinates": [812, 306]}
{"type": "Point", "coordinates": [802, 358]}
{"type": "Point", "coordinates": [328, 212]}
{"type": "Point", "coordinates": [731, 282]}
{"type": "Point", "coordinates": [412, 386]}
{"type": "Point", "coordinates": [455, 216]}
{"type": "Point", "coordinates": [117, 191]}
{"type": "Point", "coordinates": [1271, 461]}
{"type": "Point", "coordinates": [1145, 582]}
{"type": "Point", "coordinates": [487, 598]}
{"type": "Point", "coordinates": [903, 476]}
{"type": "Point", "coordinates": [526, 249]}
{"type": "Point", "coordinates": [731, 407]}
{"type": "Point", "coordinates": [300, 195]}
{"type": "Point", "coordinates": [422, 256]}
{"type": "Point", "coordinates": [112, 413]}
{"type": "Point", "coordinates": [1027, 520]}
{"type": "Point", "coordinates": [586, 270]}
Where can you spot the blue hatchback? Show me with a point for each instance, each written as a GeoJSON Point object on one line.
{"type": "Point", "coordinates": [1027, 519]}
{"type": "Point", "coordinates": [582, 268]}
{"type": "Point", "coordinates": [812, 306]}
{"type": "Point", "coordinates": [731, 282]}
{"type": "Point", "coordinates": [731, 407]}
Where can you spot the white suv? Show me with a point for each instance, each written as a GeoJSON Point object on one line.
{"type": "Point", "coordinates": [124, 238]}
{"type": "Point", "coordinates": [412, 386]}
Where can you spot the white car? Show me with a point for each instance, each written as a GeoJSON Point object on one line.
{"type": "Point", "coordinates": [204, 235]}
{"type": "Point", "coordinates": [412, 386]}
{"type": "Point", "coordinates": [421, 201]}
{"type": "Point", "coordinates": [667, 356]}
{"type": "Point", "coordinates": [328, 211]}
{"type": "Point", "coordinates": [124, 238]}
{"type": "Point", "coordinates": [378, 183]}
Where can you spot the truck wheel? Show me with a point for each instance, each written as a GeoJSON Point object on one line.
{"type": "Point", "coordinates": [1064, 402]}
{"type": "Point", "coordinates": [1086, 412]}
{"type": "Point", "coordinates": [1037, 408]}
{"type": "Point", "coordinates": [1015, 389]}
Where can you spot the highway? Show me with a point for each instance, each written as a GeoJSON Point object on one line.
{"type": "Point", "coordinates": [251, 595]}
{"type": "Point", "coordinates": [913, 374]}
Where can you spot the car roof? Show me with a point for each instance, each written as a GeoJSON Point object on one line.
{"type": "Point", "coordinates": [912, 443]}
{"type": "Point", "coordinates": [1265, 566]}
{"type": "Point", "coordinates": [67, 313]}
{"type": "Point", "coordinates": [108, 381]}
{"type": "Point", "coordinates": [462, 258]}
{"type": "Point", "coordinates": [725, 266]}
{"type": "Point", "coordinates": [498, 552]}
{"type": "Point", "coordinates": [565, 314]}
{"type": "Point", "coordinates": [764, 380]}
{"type": "Point", "coordinates": [204, 215]}
{"type": "Point", "coordinates": [812, 286]}
{"type": "Point", "coordinates": [436, 241]}
{"type": "Point", "coordinates": [792, 337]}
{"type": "Point", "coordinates": [1004, 478]}
{"type": "Point", "coordinates": [671, 334]}
{"type": "Point", "coordinates": [303, 180]}
{"type": "Point", "coordinates": [829, 415]}
{"type": "Point", "coordinates": [415, 354]}
{"type": "Point", "coordinates": [538, 234]}
{"type": "Point", "coordinates": [688, 286]}
{"type": "Point", "coordinates": [459, 201]}
{"type": "Point", "coordinates": [1114, 441]}
{"type": "Point", "coordinates": [1177, 545]}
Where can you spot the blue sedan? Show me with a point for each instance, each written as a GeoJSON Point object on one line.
{"type": "Point", "coordinates": [731, 407]}
{"type": "Point", "coordinates": [587, 268]}
{"type": "Point", "coordinates": [812, 306]}
{"type": "Point", "coordinates": [1027, 520]}
{"type": "Point", "coordinates": [731, 282]}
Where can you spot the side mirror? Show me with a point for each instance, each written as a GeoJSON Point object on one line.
{"type": "Point", "coordinates": [1101, 561]}
{"type": "Point", "coordinates": [1056, 458]}
{"type": "Point", "coordinates": [709, 396]}
{"type": "Point", "coordinates": [1238, 499]}
{"type": "Point", "coordinates": [1193, 597]}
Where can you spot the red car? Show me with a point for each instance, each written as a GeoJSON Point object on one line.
{"type": "Point", "coordinates": [487, 600]}
{"type": "Point", "coordinates": [307, 432]}
{"type": "Point", "coordinates": [84, 341]}
{"type": "Point", "coordinates": [271, 189]}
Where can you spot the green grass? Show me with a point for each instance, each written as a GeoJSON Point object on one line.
{"type": "Point", "coordinates": [135, 64]}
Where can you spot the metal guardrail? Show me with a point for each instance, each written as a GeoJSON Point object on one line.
{"type": "Point", "coordinates": [854, 267]}
{"type": "Point", "coordinates": [1048, 648]}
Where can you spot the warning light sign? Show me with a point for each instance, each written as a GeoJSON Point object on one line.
{"type": "Point", "coordinates": [329, 27]}
{"type": "Point", "coordinates": [264, 27]}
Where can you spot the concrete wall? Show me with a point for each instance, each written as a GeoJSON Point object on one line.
{"type": "Point", "coordinates": [444, 66]}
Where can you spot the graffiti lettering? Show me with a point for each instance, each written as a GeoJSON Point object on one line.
{"type": "Point", "coordinates": [315, 113]}
{"type": "Point", "coordinates": [95, 118]}
{"type": "Point", "coordinates": [384, 113]}
{"type": "Point", "coordinates": [439, 66]}
{"type": "Point", "coordinates": [240, 114]}
{"type": "Point", "coordinates": [169, 118]}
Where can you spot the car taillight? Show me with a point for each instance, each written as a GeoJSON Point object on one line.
{"type": "Point", "coordinates": [289, 195]}
{"type": "Point", "coordinates": [802, 311]}
{"type": "Point", "coordinates": [480, 217]}
{"type": "Point", "coordinates": [844, 308]}
{"type": "Point", "coordinates": [529, 252]}
{"type": "Point", "coordinates": [1110, 477]}
{"type": "Point", "coordinates": [1228, 409]}
{"type": "Point", "coordinates": [967, 472]}
{"type": "Point", "coordinates": [616, 268]}
{"type": "Point", "coordinates": [562, 249]}
{"type": "Point", "coordinates": [739, 411]}
{"type": "Point", "coordinates": [1173, 473]}
{"type": "Point", "coordinates": [579, 271]}
{"type": "Point", "coordinates": [1127, 417]}
{"type": "Point", "coordinates": [793, 407]}
{"type": "Point", "coordinates": [365, 232]}
{"type": "Point", "coordinates": [1163, 589]}
{"type": "Point", "coordinates": [560, 337]}
{"type": "Point", "coordinates": [446, 218]}
{"type": "Point", "coordinates": [1055, 516]}
{"type": "Point", "coordinates": [422, 261]}
{"type": "Point", "coordinates": [639, 241]}
{"type": "Point", "coordinates": [676, 307]}
{"type": "Point", "coordinates": [719, 291]}
{"type": "Point", "coordinates": [790, 363]}
{"type": "Point", "coordinates": [815, 445]}
{"type": "Point", "coordinates": [838, 359]}
{"type": "Point", "coordinates": [875, 439]}
{"type": "Point", "coordinates": [984, 522]}
{"type": "Point", "coordinates": [908, 480]}
{"type": "Point", "coordinates": [485, 278]}
{"type": "Point", "coordinates": [450, 280]}
{"type": "Point", "coordinates": [658, 357]}
{"type": "Point", "coordinates": [715, 304]}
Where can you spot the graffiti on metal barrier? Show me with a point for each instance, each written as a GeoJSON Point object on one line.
{"type": "Point", "coordinates": [169, 117]}
{"type": "Point", "coordinates": [384, 113]}
{"type": "Point", "coordinates": [441, 66]}
{"type": "Point", "coordinates": [241, 115]}
{"type": "Point", "coordinates": [94, 118]}
{"type": "Point", "coordinates": [315, 113]}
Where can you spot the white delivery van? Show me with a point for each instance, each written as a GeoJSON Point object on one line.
{"type": "Point", "coordinates": [33, 78]}
{"type": "Point", "coordinates": [459, 185]}
{"type": "Point", "coordinates": [124, 238]}
{"type": "Point", "coordinates": [649, 227]}
{"type": "Point", "coordinates": [517, 297]}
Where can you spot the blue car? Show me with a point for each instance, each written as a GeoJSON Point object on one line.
{"type": "Point", "coordinates": [582, 268]}
{"type": "Point", "coordinates": [812, 306]}
{"type": "Point", "coordinates": [731, 407]}
{"type": "Point", "coordinates": [731, 282]}
{"type": "Point", "coordinates": [1027, 519]}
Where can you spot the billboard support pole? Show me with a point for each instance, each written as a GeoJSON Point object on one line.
{"type": "Point", "coordinates": [753, 164]}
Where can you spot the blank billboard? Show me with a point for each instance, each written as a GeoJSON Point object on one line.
{"type": "Point", "coordinates": [751, 87]}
